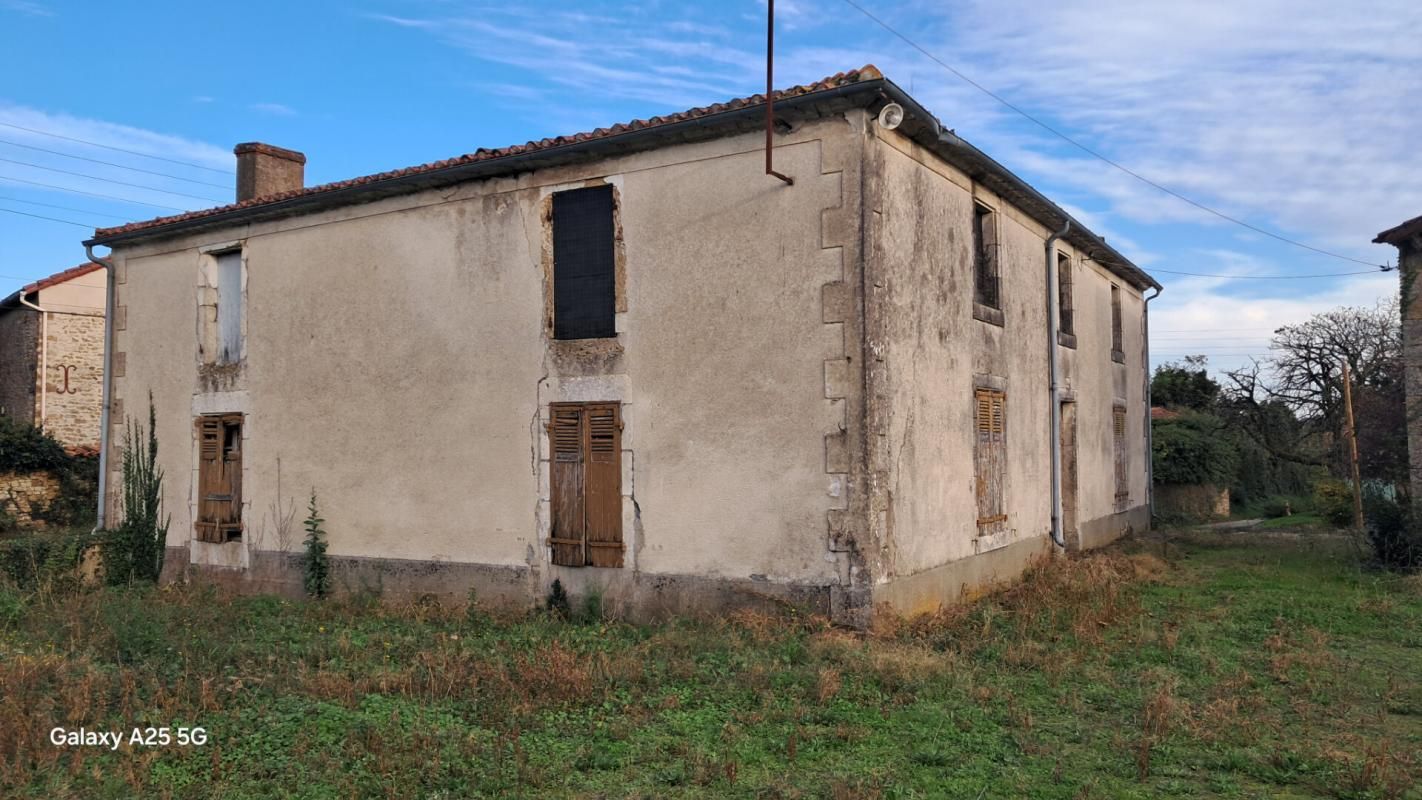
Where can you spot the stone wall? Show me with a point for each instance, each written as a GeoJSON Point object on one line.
{"type": "Point", "coordinates": [26, 495]}
{"type": "Point", "coordinates": [74, 379]}
{"type": "Point", "coordinates": [19, 342]}
{"type": "Point", "coordinates": [1200, 501]}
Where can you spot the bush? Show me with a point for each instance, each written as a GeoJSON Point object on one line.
{"type": "Point", "coordinates": [1192, 448]}
{"type": "Point", "coordinates": [1396, 542]}
{"type": "Point", "coordinates": [25, 448]}
{"type": "Point", "coordinates": [43, 562]}
{"type": "Point", "coordinates": [1333, 499]}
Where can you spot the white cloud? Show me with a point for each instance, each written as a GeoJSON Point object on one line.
{"type": "Point", "coordinates": [274, 109]}
{"type": "Point", "coordinates": [26, 7]}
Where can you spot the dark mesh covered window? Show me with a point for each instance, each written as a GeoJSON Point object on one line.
{"type": "Point", "coordinates": [584, 289]}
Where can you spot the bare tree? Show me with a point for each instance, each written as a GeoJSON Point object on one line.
{"type": "Point", "coordinates": [1304, 375]}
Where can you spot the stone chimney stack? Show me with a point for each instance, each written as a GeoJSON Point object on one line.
{"type": "Point", "coordinates": [264, 170]}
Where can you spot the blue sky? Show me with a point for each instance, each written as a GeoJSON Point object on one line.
{"type": "Point", "coordinates": [1300, 117]}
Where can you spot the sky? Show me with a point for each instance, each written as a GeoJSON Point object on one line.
{"type": "Point", "coordinates": [1299, 117]}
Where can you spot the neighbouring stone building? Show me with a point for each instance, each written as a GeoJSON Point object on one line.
{"type": "Point", "coordinates": [52, 354]}
{"type": "Point", "coordinates": [633, 361]}
{"type": "Point", "coordinates": [1407, 238]}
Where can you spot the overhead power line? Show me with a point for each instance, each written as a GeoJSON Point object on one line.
{"type": "Point", "coordinates": [115, 149]}
{"type": "Point", "coordinates": [112, 164]}
{"type": "Point", "coordinates": [61, 208]}
{"type": "Point", "coordinates": [1276, 277]}
{"type": "Point", "coordinates": [51, 219]}
{"type": "Point", "coordinates": [109, 180]}
{"type": "Point", "coordinates": [90, 194]}
{"type": "Point", "coordinates": [1073, 142]}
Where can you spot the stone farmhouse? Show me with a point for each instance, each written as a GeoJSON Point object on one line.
{"type": "Point", "coordinates": [634, 361]}
{"type": "Point", "coordinates": [52, 355]}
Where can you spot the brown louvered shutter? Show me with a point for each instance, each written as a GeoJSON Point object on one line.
{"type": "Point", "coordinates": [566, 480]}
{"type": "Point", "coordinates": [209, 477]}
{"type": "Point", "coordinates": [1118, 440]}
{"type": "Point", "coordinates": [586, 484]}
{"type": "Point", "coordinates": [219, 517]}
{"type": "Point", "coordinates": [990, 454]}
{"type": "Point", "coordinates": [603, 497]}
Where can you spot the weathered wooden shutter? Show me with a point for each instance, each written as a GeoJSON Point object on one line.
{"type": "Point", "coordinates": [209, 477]}
{"type": "Point", "coordinates": [1116, 332]}
{"type": "Point", "coordinates": [586, 484]}
{"type": "Point", "coordinates": [604, 486]}
{"type": "Point", "coordinates": [986, 280]}
{"type": "Point", "coordinates": [990, 454]}
{"type": "Point", "coordinates": [1067, 323]}
{"type": "Point", "coordinates": [568, 534]}
{"type": "Point", "coordinates": [1118, 439]}
{"type": "Point", "coordinates": [219, 516]}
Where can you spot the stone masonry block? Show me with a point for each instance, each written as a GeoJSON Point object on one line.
{"type": "Point", "coordinates": [838, 301]}
{"type": "Point", "coordinates": [837, 452]}
{"type": "Point", "coordinates": [837, 378]}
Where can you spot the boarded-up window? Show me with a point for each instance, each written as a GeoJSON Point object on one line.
{"type": "Point", "coordinates": [986, 279]}
{"type": "Point", "coordinates": [229, 307]}
{"type": "Point", "coordinates": [1067, 324]}
{"type": "Point", "coordinates": [1117, 349]}
{"type": "Point", "coordinates": [1118, 446]}
{"type": "Point", "coordinates": [586, 483]}
{"type": "Point", "coordinates": [990, 454]}
{"type": "Point", "coordinates": [584, 268]}
{"type": "Point", "coordinates": [219, 517]}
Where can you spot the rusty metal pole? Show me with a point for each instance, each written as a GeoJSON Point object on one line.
{"type": "Point", "coordinates": [1353, 449]}
{"type": "Point", "coordinates": [770, 94]}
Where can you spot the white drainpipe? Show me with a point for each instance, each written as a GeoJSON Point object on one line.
{"type": "Point", "coordinates": [108, 384]}
{"type": "Point", "coordinates": [1054, 391]}
{"type": "Point", "coordinates": [44, 357]}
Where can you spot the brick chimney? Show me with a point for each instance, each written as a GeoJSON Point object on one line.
{"type": "Point", "coordinates": [264, 170]}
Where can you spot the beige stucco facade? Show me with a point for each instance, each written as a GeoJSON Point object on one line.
{"type": "Point", "coordinates": [795, 365]}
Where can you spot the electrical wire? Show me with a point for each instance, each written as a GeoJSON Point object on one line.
{"type": "Point", "coordinates": [112, 164]}
{"type": "Point", "coordinates": [109, 180]}
{"type": "Point", "coordinates": [116, 149]}
{"type": "Point", "coordinates": [51, 219]}
{"type": "Point", "coordinates": [90, 194]}
{"type": "Point", "coordinates": [1069, 140]}
{"type": "Point", "coordinates": [61, 208]}
{"type": "Point", "coordinates": [1380, 268]}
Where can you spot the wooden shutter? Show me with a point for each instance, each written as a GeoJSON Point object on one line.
{"type": "Point", "coordinates": [604, 486]}
{"type": "Point", "coordinates": [569, 527]}
{"type": "Point", "coordinates": [1067, 322]}
{"type": "Point", "coordinates": [986, 279]}
{"type": "Point", "coordinates": [219, 517]}
{"type": "Point", "coordinates": [990, 454]}
{"type": "Point", "coordinates": [1118, 439]}
{"type": "Point", "coordinates": [586, 484]}
{"type": "Point", "coordinates": [1116, 333]}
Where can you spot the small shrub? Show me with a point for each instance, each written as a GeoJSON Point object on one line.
{"type": "Point", "coordinates": [591, 610]}
{"type": "Point", "coordinates": [25, 448]}
{"type": "Point", "coordinates": [558, 604]}
{"type": "Point", "coordinates": [316, 565]}
{"type": "Point", "coordinates": [1333, 499]}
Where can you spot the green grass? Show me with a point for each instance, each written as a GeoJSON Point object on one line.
{"type": "Point", "coordinates": [1218, 666]}
{"type": "Point", "coordinates": [1297, 521]}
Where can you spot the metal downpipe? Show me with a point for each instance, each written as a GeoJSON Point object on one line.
{"type": "Point", "coordinates": [1054, 389]}
{"type": "Point", "coordinates": [108, 265]}
{"type": "Point", "coordinates": [1149, 431]}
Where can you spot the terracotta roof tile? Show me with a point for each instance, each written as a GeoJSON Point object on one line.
{"type": "Point", "coordinates": [866, 73]}
{"type": "Point", "coordinates": [60, 277]}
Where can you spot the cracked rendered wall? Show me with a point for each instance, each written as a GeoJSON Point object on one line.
{"type": "Point", "coordinates": [929, 353]}
{"type": "Point", "coordinates": [397, 361]}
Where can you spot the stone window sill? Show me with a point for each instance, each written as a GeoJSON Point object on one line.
{"type": "Point", "coordinates": [1066, 339]}
{"type": "Point", "coordinates": [988, 314]}
{"type": "Point", "coordinates": [1118, 356]}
